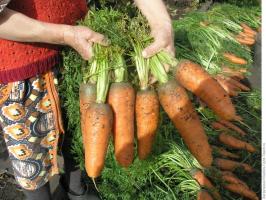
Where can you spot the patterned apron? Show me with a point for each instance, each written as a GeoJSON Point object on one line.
{"type": "Point", "coordinates": [31, 121]}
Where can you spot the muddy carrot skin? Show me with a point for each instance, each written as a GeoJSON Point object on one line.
{"type": "Point", "coordinates": [230, 165]}
{"type": "Point", "coordinates": [180, 110]}
{"type": "Point", "coordinates": [147, 117]}
{"type": "Point", "coordinates": [194, 78]}
{"type": "Point", "coordinates": [203, 181]}
{"type": "Point", "coordinates": [235, 143]}
{"type": "Point", "coordinates": [97, 127]}
{"type": "Point", "coordinates": [121, 97]}
{"type": "Point", "coordinates": [87, 96]}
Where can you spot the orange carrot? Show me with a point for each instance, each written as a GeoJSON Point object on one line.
{"type": "Point", "coordinates": [203, 181]}
{"type": "Point", "coordinates": [234, 73]}
{"type": "Point", "coordinates": [194, 78]}
{"type": "Point", "coordinates": [97, 129]}
{"type": "Point", "coordinates": [232, 126]}
{"type": "Point", "coordinates": [241, 190]}
{"type": "Point", "coordinates": [238, 84]}
{"type": "Point", "coordinates": [180, 110]}
{"type": "Point", "coordinates": [247, 29]}
{"type": "Point", "coordinates": [235, 143]}
{"type": "Point", "coordinates": [87, 95]}
{"type": "Point", "coordinates": [234, 59]}
{"type": "Point", "coordinates": [246, 41]}
{"type": "Point", "coordinates": [204, 195]}
{"type": "Point", "coordinates": [229, 177]}
{"type": "Point", "coordinates": [147, 117]}
{"type": "Point", "coordinates": [121, 97]}
{"type": "Point", "coordinates": [245, 35]}
{"type": "Point", "coordinates": [218, 126]}
{"type": "Point", "coordinates": [221, 151]}
{"type": "Point", "coordinates": [229, 88]}
{"type": "Point", "coordinates": [230, 165]}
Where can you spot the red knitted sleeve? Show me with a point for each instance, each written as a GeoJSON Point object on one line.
{"type": "Point", "coordinates": [3, 4]}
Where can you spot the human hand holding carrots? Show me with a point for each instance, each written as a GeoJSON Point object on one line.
{"type": "Point", "coordinates": [81, 39]}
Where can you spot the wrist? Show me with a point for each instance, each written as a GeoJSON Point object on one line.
{"type": "Point", "coordinates": [54, 33]}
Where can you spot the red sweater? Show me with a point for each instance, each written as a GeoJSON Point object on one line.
{"type": "Point", "coordinates": [19, 61]}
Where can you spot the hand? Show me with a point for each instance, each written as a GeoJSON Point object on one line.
{"type": "Point", "coordinates": [163, 40]}
{"type": "Point", "coordinates": [81, 39]}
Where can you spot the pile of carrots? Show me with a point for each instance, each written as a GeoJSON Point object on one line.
{"type": "Point", "coordinates": [110, 105]}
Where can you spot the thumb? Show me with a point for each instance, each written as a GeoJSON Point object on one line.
{"type": "Point", "coordinates": [100, 39]}
{"type": "Point", "coordinates": [152, 50]}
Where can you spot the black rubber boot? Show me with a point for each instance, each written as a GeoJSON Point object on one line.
{"type": "Point", "coordinates": [87, 194]}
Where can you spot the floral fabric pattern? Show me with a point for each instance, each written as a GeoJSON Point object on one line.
{"type": "Point", "coordinates": [30, 128]}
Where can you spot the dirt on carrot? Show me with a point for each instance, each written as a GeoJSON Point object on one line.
{"type": "Point", "coordinates": [147, 118]}
{"type": "Point", "coordinates": [121, 98]}
{"type": "Point", "coordinates": [180, 110]}
{"type": "Point", "coordinates": [97, 129]}
{"type": "Point", "coordinates": [87, 96]}
{"type": "Point", "coordinates": [194, 78]}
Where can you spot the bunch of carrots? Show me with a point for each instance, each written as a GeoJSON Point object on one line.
{"type": "Point", "coordinates": [111, 105]}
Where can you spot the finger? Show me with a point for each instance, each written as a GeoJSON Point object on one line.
{"type": "Point", "coordinates": [171, 50]}
{"type": "Point", "coordinates": [86, 50]}
{"type": "Point", "coordinates": [99, 39]}
{"type": "Point", "coordinates": [152, 49]}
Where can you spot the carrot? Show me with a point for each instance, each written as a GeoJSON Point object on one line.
{"type": "Point", "coordinates": [245, 35]}
{"type": "Point", "coordinates": [87, 95]}
{"type": "Point", "coordinates": [234, 59]}
{"type": "Point", "coordinates": [232, 126]}
{"type": "Point", "coordinates": [235, 143]}
{"type": "Point", "coordinates": [238, 84]}
{"type": "Point", "coordinates": [241, 190]}
{"type": "Point", "coordinates": [180, 110]}
{"type": "Point", "coordinates": [229, 88]}
{"type": "Point", "coordinates": [247, 29]}
{"type": "Point", "coordinates": [203, 181]}
{"type": "Point", "coordinates": [246, 41]}
{"type": "Point", "coordinates": [218, 126]}
{"type": "Point", "coordinates": [204, 195]}
{"type": "Point", "coordinates": [147, 117]}
{"type": "Point", "coordinates": [121, 97]}
{"type": "Point", "coordinates": [97, 127]}
{"type": "Point", "coordinates": [234, 73]}
{"type": "Point", "coordinates": [229, 177]}
{"type": "Point", "coordinates": [230, 165]}
{"type": "Point", "coordinates": [221, 151]}
{"type": "Point", "coordinates": [194, 78]}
